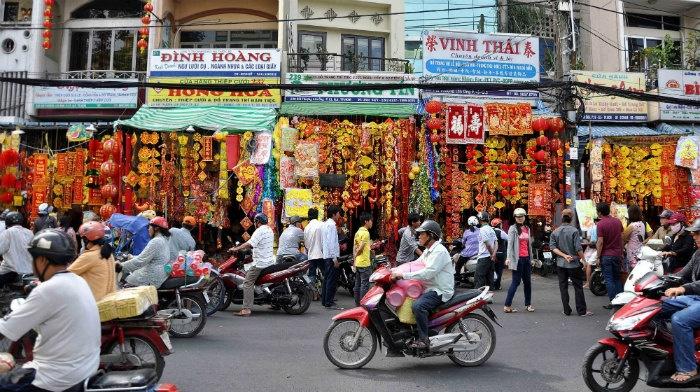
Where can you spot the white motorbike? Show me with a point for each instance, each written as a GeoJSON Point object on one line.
{"type": "Point", "coordinates": [649, 260]}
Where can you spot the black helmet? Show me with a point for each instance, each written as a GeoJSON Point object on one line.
{"type": "Point", "coordinates": [13, 218]}
{"type": "Point", "coordinates": [430, 226]}
{"type": "Point", "coordinates": [260, 217]}
{"type": "Point", "coordinates": [3, 215]}
{"type": "Point", "coordinates": [483, 216]}
{"type": "Point", "coordinates": [53, 244]}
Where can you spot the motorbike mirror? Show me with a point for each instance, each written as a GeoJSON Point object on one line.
{"type": "Point", "coordinates": [668, 240]}
{"type": "Point", "coordinates": [16, 303]}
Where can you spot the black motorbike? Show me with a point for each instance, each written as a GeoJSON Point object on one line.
{"type": "Point", "coordinates": [185, 300]}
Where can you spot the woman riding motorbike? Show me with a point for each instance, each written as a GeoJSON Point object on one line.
{"type": "Point", "coordinates": [95, 263]}
{"type": "Point", "coordinates": [682, 248]}
{"type": "Point", "coordinates": [148, 268]}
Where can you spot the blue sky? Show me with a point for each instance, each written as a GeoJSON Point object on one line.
{"type": "Point", "coordinates": [463, 19]}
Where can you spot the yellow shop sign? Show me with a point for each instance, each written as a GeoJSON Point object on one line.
{"type": "Point", "coordinates": [189, 96]}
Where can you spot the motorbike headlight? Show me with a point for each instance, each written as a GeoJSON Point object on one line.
{"type": "Point", "coordinates": [626, 323]}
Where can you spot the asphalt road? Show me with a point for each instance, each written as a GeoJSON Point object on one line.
{"type": "Point", "coordinates": [540, 351]}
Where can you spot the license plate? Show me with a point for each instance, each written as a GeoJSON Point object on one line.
{"type": "Point", "coordinates": [306, 279]}
{"type": "Point", "coordinates": [547, 255]}
{"type": "Point", "coordinates": [206, 296]}
{"type": "Point", "coordinates": [166, 340]}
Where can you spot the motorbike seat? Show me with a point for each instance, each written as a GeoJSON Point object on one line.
{"type": "Point", "coordinates": [277, 268]}
{"type": "Point", "coordinates": [173, 283]}
{"type": "Point", "coordinates": [138, 378]}
{"type": "Point", "coordinates": [459, 297]}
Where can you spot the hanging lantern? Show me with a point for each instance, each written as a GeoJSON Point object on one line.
{"type": "Point", "coordinates": [148, 7]}
{"type": "Point", "coordinates": [505, 193]}
{"type": "Point", "coordinates": [142, 44]}
{"type": "Point", "coordinates": [9, 157]}
{"type": "Point", "coordinates": [433, 107]}
{"type": "Point", "coordinates": [554, 144]}
{"type": "Point", "coordinates": [434, 124]}
{"type": "Point", "coordinates": [47, 34]}
{"type": "Point", "coordinates": [435, 138]}
{"type": "Point", "coordinates": [108, 168]}
{"type": "Point", "coordinates": [504, 184]}
{"type": "Point", "coordinates": [512, 167]}
{"type": "Point", "coordinates": [556, 124]}
{"type": "Point", "coordinates": [539, 124]}
{"type": "Point", "coordinates": [110, 147]}
{"type": "Point", "coordinates": [6, 198]}
{"type": "Point", "coordinates": [108, 191]}
{"type": "Point", "coordinates": [107, 210]}
{"type": "Point", "coordinates": [146, 20]}
{"type": "Point", "coordinates": [541, 155]}
{"type": "Point", "coordinates": [513, 184]}
{"type": "Point", "coordinates": [8, 180]}
{"type": "Point", "coordinates": [533, 164]}
{"type": "Point", "coordinates": [512, 175]}
{"type": "Point", "coordinates": [48, 15]}
{"type": "Point", "coordinates": [542, 140]}
{"type": "Point", "coordinates": [504, 175]}
{"type": "Point", "coordinates": [514, 192]}
{"type": "Point", "coordinates": [47, 23]}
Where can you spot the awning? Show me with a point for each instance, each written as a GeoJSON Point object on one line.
{"type": "Point", "coordinates": [348, 109]}
{"type": "Point", "coordinates": [678, 129]}
{"type": "Point", "coordinates": [600, 131]}
{"type": "Point", "coordinates": [213, 118]}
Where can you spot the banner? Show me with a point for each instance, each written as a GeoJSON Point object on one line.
{"type": "Point", "coordinates": [465, 124]}
{"type": "Point", "coordinates": [72, 97]}
{"type": "Point", "coordinates": [473, 57]}
{"type": "Point", "coordinates": [679, 84]}
{"type": "Point", "coordinates": [538, 204]}
{"type": "Point", "coordinates": [184, 97]}
{"type": "Point", "coordinates": [601, 107]}
{"type": "Point", "coordinates": [586, 213]}
{"type": "Point", "coordinates": [399, 96]}
{"type": "Point", "coordinates": [221, 62]}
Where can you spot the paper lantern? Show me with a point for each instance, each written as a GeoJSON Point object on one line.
{"type": "Point", "coordinates": [108, 168]}
{"type": "Point", "coordinates": [46, 45]}
{"type": "Point", "coordinates": [148, 7]}
{"type": "Point", "coordinates": [504, 184]}
{"type": "Point", "coordinates": [49, 3]}
{"type": "Point", "coordinates": [142, 44]}
{"type": "Point", "coordinates": [47, 33]}
{"type": "Point", "coordinates": [556, 124]}
{"type": "Point", "coordinates": [540, 155]}
{"type": "Point", "coordinates": [146, 20]}
{"type": "Point", "coordinates": [107, 210]}
{"type": "Point", "coordinates": [6, 198]}
{"type": "Point", "coordinates": [8, 180]}
{"type": "Point", "coordinates": [109, 191]}
{"type": "Point", "coordinates": [110, 147]}
{"type": "Point", "coordinates": [47, 24]}
{"type": "Point", "coordinates": [433, 107]}
{"type": "Point", "coordinates": [48, 13]}
{"type": "Point", "coordinates": [434, 124]}
{"type": "Point", "coordinates": [540, 124]}
{"type": "Point", "coordinates": [514, 192]}
{"type": "Point", "coordinates": [143, 31]}
{"type": "Point", "coordinates": [542, 140]}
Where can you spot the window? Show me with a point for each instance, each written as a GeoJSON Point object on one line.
{"type": "Point", "coordinates": [362, 53]}
{"type": "Point", "coordinates": [636, 60]}
{"type": "Point", "coordinates": [105, 50]}
{"type": "Point", "coordinates": [229, 39]}
{"type": "Point", "coordinates": [659, 22]}
{"type": "Point", "coordinates": [101, 9]}
{"type": "Point", "coordinates": [11, 12]}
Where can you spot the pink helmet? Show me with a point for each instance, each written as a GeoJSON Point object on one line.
{"type": "Point", "coordinates": [161, 222]}
{"type": "Point", "coordinates": [93, 231]}
{"type": "Point", "coordinates": [676, 217]}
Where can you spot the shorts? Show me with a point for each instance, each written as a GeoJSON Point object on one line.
{"type": "Point", "coordinates": [590, 256]}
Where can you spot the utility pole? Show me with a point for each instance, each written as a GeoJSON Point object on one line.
{"type": "Point", "coordinates": [503, 16]}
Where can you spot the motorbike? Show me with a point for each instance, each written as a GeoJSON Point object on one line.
{"type": "Point", "coordinates": [215, 291]}
{"type": "Point", "coordinates": [281, 285]}
{"type": "Point", "coordinates": [139, 380]}
{"type": "Point", "coordinates": [612, 364]}
{"type": "Point", "coordinates": [346, 277]}
{"type": "Point", "coordinates": [467, 338]}
{"type": "Point", "coordinates": [649, 260]}
{"type": "Point", "coordinates": [464, 278]}
{"type": "Point", "coordinates": [185, 301]}
{"type": "Point", "coordinates": [544, 262]}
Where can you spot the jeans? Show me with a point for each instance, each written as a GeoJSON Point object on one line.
{"type": "Point", "coordinates": [498, 267]}
{"type": "Point", "coordinates": [329, 283]}
{"type": "Point", "coordinates": [484, 272]}
{"type": "Point", "coordinates": [361, 283]}
{"type": "Point", "coordinates": [685, 318]}
{"type": "Point", "coordinates": [299, 258]}
{"type": "Point", "coordinates": [610, 266]}
{"type": "Point", "coordinates": [313, 266]}
{"type": "Point", "coordinates": [251, 276]}
{"type": "Point", "coordinates": [576, 276]}
{"type": "Point", "coordinates": [524, 273]}
{"type": "Point", "coordinates": [421, 309]}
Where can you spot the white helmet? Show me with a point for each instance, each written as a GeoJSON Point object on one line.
{"type": "Point", "coordinates": [473, 221]}
{"type": "Point", "coordinates": [44, 209]}
{"type": "Point", "coordinates": [519, 212]}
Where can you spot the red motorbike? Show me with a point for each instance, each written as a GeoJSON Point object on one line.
{"type": "Point", "coordinates": [612, 365]}
{"type": "Point", "coordinates": [281, 285]}
{"type": "Point", "coordinates": [467, 338]}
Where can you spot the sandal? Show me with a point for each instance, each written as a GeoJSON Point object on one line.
{"type": "Point", "coordinates": [684, 377]}
{"type": "Point", "coordinates": [243, 313]}
{"type": "Point", "coordinates": [509, 309]}
{"type": "Point", "coordinates": [529, 308]}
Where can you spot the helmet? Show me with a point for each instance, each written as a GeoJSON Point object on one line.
{"type": "Point", "coordinates": [519, 212]}
{"type": "Point", "coordinates": [675, 218]}
{"type": "Point", "coordinates": [189, 221]}
{"type": "Point", "coordinates": [260, 217]}
{"type": "Point", "coordinates": [44, 209]}
{"type": "Point", "coordinates": [430, 226]}
{"type": "Point", "coordinates": [159, 221]}
{"type": "Point", "coordinates": [3, 215]}
{"type": "Point", "coordinates": [496, 221]}
{"type": "Point", "coordinates": [13, 218]}
{"type": "Point", "coordinates": [93, 231]}
{"type": "Point", "coordinates": [666, 214]}
{"type": "Point", "coordinates": [695, 226]}
{"type": "Point", "coordinates": [473, 221]}
{"type": "Point", "coordinates": [483, 216]}
{"type": "Point", "coordinates": [148, 214]}
{"type": "Point", "coordinates": [53, 244]}
{"type": "Point", "coordinates": [294, 219]}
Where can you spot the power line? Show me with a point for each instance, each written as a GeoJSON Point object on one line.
{"type": "Point", "coordinates": [624, 13]}
{"type": "Point", "coordinates": [582, 25]}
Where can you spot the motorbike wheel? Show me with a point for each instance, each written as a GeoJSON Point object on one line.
{"type": "Point", "coordinates": [303, 294]}
{"type": "Point", "coordinates": [343, 351]}
{"type": "Point", "coordinates": [597, 284]}
{"type": "Point", "coordinates": [478, 324]}
{"type": "Point", "coordinates": [599, 375]}
{"type": "Point", "coordinates": [179, 327]}
{"type": "Point", "coordinates": [145, 351]}
{"type": "Point", "coordinates": [216, 292]}
{"type": "Point", "coordinates": [228, 299]}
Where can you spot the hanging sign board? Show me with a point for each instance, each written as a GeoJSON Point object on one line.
{"type": "Point", "coordinates": [73, 97]}
{"type": "Point", "coordinates": [607, 108]}
{"type": "Point", "coordinates": [679, 84]}
{"type": "Point", "coordinates": [406, 95]}
{"type": "Point", "coordinates": [223, 62]}
{"type": "Point", "coordinates": [189, 97]}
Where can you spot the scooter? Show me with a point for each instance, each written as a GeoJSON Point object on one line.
{"type": "Point", "coordinates": [544, 261]}
{"type": "Point", "coordinates": [649, 260]}
{"type": "Point", "coordinates": [612, 364]}
{"type": "Point", "coordinates": [185, 301]}
{"type": "Point", "coordinates": [467, 338]}
{"type": "Point", "coordinates": [346, 277]}
{"type": "Point", "coordinates": [140, 380]}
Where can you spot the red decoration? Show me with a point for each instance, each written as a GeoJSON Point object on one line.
{"type": "Point", "coordinates": [107, 210]}
{"type": "Point", "coordinates": [505, 193]}
{"type": "Point", "coordinates": [505, 184]}
{"type": "Point", "coordinates": [47, 33]}
{"type": "Point", "coordinates": [512, 175]}
{"type": "Point", "coordinates": [46, 44]}
{"type": "Point", "coordinates": [9, 157]}
{"type": "Point", "coordinates": [142, 44]}
{"type": "Point", "coordinates": [109, 191]}
{"type": "Point", "coordinates": [541, 155]}
{"type": "Point", "coordinates": [48, 13]}
{"type": "Point", "coordinates": [540, 124]}
{"type": "Point", "coordinates": [146, 20]}
{"type": "Point", "coordinates": [533, 164]}
{"type": "Point", "coordinates": [434, 124]}
{"type": "Point", "coordinates": [47, 24]}
{"type": "Point", "coordinates": [554, 144]}
{"type": "Point", "coordinates": [110, 147]}
{"type": "Point", "coordinates": [556, 124]}
{"type": "Point", "coordinates": [148, 7]}
{"type": "Point", "coordinates": [143, 31]}
{"type": "Point", "coordinates": [542, 140]}
{"type": "Point", "coordinates": [435, 138]}
{"type": "Point", "coordinates": [49, 3]}
{"type": "Point", "coordinates": [6, 198]}
{"type": "Point", "coordinates": [433, 107]}
{"type": "Point", "coordinates": [8, 180]}
{"type": "Point", "coordinates": [108, 168]}
{"type": "Point", "coordinates": [514, 192]}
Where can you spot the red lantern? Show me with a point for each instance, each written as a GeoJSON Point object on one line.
{"type": "Point", "coordinates": [107, 210]}
{"type": "Point", "coordinates": [108, 168]}
{"type": "Point", "coordinates": [542, 140]}
{"type": "Point", "coordinates": [9, 157]}
{"type": "Point", "coordinates": [47, 33]}
{"type": "Point", "coordinates": [146, 20]}
{"type": "Point", "coordinates": [513, 184]}
{"type": "Point", "coordinates": [434, 124]}
{"type": "Point", "coordinates": [49, 3]}
{"type": "Point", "coordinates": [48, 13]}
{"type": "Point", "coordinates": [540, 155]}
{"type": "Point", "coordinates": [505, 193]}
{"type": "Point", "coordinates": [109, 191]}
{"type": "Point", "coordinates": [504, 175]}
{"type": "Point", "coordinates": [47, 24]}
{"type": "Point", "coordinates": [556, 124]}
{"type": "Point", "coordinates": [512, 175]}
{"type": "Point", "coordinates": [46, 44]}
{"type": "Point", "coordinates": [433, 107]}
{"type": "Point", "coordinates": [143, 31]}
{"type": "Point", "coordinates": [142, 44]}
{"type": "Point", "coordinates": [554, 144]}
{"type": "Point", "coordinates": [504, 167]}
{"type": "Point", "coordinates": [512, 167]}
{"type": "Point", "coordinates": [514, 192]}
{"type": "Point", "coordinates": [8, 180]}
{"type": "Point", "coordinates": [435, 138]}
{"type": "Point", "coordinates": [533, 164]}
{"type": "Point", "coordinates": [504, 184]}
{"type": "Point", "coordinates": [539, 124]}
{"type": "Point", "coordinates": [148, 7]}
{"type": "Point", "coordinates": [110, 147]}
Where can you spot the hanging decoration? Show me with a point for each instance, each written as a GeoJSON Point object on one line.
{"type": "Point", "coordinates": [48, 24]}
{"type": "Point", "coordinates": [142, 44]}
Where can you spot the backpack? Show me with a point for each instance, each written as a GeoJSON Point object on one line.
{"type": "Point", "coordinates": [502, 244]}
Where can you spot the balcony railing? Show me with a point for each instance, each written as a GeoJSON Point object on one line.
{"type": "Point", "coordinates": [13, 96]}
{"type": "Point", "coordinates": [334, 62]}
{"type": "Point", "coordinates": [99, 74]}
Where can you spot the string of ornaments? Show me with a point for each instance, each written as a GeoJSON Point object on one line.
{"type": "Point", "coordinates": [48, 15]}
{"type": "Point", "coordinates": [146, 22]}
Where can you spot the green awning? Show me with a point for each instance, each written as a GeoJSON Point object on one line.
{"type": "Point", "coordinates": [347, 109]}
{"type": "Point", "coordinates": [213, 118]}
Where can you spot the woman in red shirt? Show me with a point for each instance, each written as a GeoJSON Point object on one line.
{"type": "Point", "coordinates": [518, 260]}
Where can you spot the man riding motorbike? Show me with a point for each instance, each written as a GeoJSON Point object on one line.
{"type": "Point", "coordinates": [683, 246]}
{"type": "Point", "coordinates": [13, 249]}
{"type": "Point", "coordinates": [684, 309]}
{"type": "Point", "coordinates": [96, 263]}
{"type": "Point", "coordinates": [64, 313]}
{"type": "Point", "coordinates": [148, 268]}
{"type": "Point", "coordinates": [437, 277]}
{"type": "Point", "coordinates": [290, 240]}
{"type": "Point", "coordinates": [181, 240]}
{"type": "Point", "coordinates": [470, 243]}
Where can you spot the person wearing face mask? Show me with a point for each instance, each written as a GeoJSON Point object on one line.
{"type": "Point", "coordinates": [682, 248]}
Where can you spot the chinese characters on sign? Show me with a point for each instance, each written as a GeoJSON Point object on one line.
{"type": "Point", "coordinates": [465, 124]}
{"type": "Point", "coordinates": [603, 108]}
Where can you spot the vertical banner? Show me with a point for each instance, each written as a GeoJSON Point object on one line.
{"type": "Point", "coordinates": [207, 149]}
{"type": "Point", "coordinates": [455, 124]}
{"type": "Point", "coordinates": [233, 150]}
{"type": "Point", "coordinates": [475, 125]}
{"type": "Point", "coordinates": [537, 202]}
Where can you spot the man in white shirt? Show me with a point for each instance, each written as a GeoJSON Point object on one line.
{"type": "Point", "coordinates": [261, 242]}
{"type": "Point", "coordinates": [63, 312]}
{"type": "Point", "coordinates": [438, 277]}
{"type": "Point", "coordinates": [331, 252]}
{"type": "Point", "coordinates": [313, 242]}
{"type": "Point", "coordinates": [13, 249]}
{"type": "Point", "coordinates": [488, 248]}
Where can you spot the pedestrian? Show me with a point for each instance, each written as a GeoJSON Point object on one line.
{"type": "Point", "coordinates": [362, 252]}
{"type": "Point", "coordinates": [181, 239]}
{"type": "Point", "coordinates": [44, 220]}
{"type": "Point", "coordinates": [662, 231]}
{"type": "Point", "coordinates": [261, 242]}
{"type": "Point", "coordinates": [290, 240]}
{"type": "Point", "coordinates": [682, 245]}
{"type": "Point", "coordinates": [65, 224]}
{"type": "Point", "coordinates": [502, 242]}
{"type": "Point", "coordinates": [470, 245]}
{"type": "Point", "coordinates": [518, 257]}
{"type": "Point", "coordinates": [609, 248]}
{"type": "Point", "coordinates": [565, 242]}
{"type": "Point", "coordinates": [487, 252]}
{"type": "Point", "coordinates": [313, 242]}
{"type": "Point", "coordinates": [634, 235]}
{"type": "Point", "coordinates": [591, 254]}
{"type": "Point", "coordinates": [331, 252]}
{"type": "Point", "coordinates": [408, 247]}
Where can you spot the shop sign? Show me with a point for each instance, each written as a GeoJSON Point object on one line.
{"type": "Point", "coordinates": [605, 108]}
{"type": "Point", "coordinates": [679, 84]}
{"type": "Point", "coordinates": [188, 97]}
{"type": "Point", "coordinates": [487, 58]}
{"type": "Point", "coordinates": [465, 124]}
{"type": "Point", "coordinates": [408, 95]}
{"type": "Point", "coordinates": [73, 97]}
{"type": "Point", "coordinates": [221, 62]}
